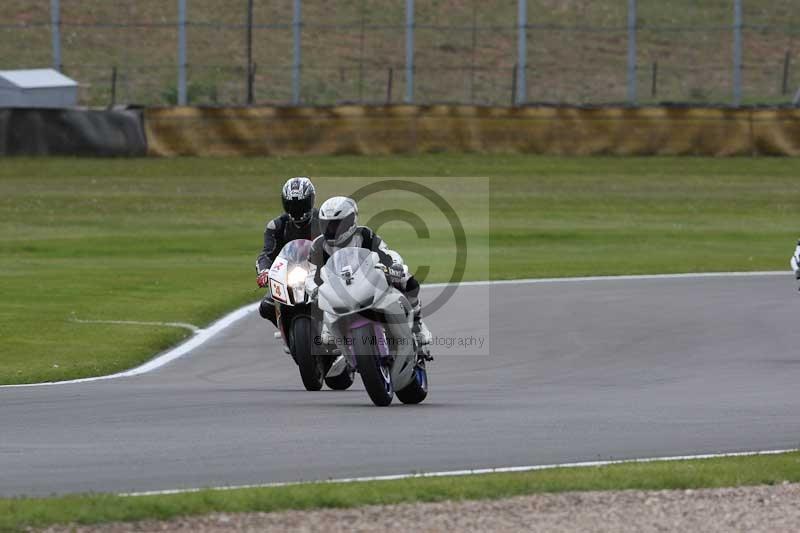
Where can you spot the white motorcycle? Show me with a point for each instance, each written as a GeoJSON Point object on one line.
{"type": "Point", "coordinates": [372, 323]}
{"type": "Point", "coordinates": [299, 321]}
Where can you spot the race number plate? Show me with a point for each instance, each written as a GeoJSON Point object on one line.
{"type": "Point", "coordinates": [278, 290]}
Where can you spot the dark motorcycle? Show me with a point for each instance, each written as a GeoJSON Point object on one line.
{"type": "Point", "coordinates": [300, 321]}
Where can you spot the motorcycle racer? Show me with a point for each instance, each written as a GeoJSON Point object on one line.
{"type": "Point", "coordinates": [794, 262]}
{"type": "Point", "coordinates": [299, 221]}
{"type": "Point", "coordinates": [338, 218]}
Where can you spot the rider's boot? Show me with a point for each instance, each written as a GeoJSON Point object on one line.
{"type": "Point", "coordinates": [267, 310]}
{"type": "Point", "coordinates": [329, 341]}
{"type": "Point", "coordinates": [421, 332]}
{"type": "Point", "coordinates": [326, 336]}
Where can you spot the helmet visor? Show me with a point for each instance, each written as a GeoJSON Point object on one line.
{"type": "Point", "coordinates": [299, 208]}
{"type": "Point", "coordinates": [333, 229]}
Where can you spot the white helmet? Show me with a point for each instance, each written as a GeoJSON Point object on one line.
{"type": "Point", "coordinates": [338, 217]}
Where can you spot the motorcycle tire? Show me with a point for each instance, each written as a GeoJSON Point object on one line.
{"type": "Point", "coordinates": [375, 376]}
{"type": "Point", "coordinates": [416, 391]}
{"type": "Point", "coordinates": [302, 349]}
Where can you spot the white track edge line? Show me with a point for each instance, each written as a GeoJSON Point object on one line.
{"type": "Point", "coordinates": [182, 325]}
{"type": "Point", "coordinates": [638, 277]}
{"type": "Point", "coordinates": [460, 473]}
{"type": "Point", "coordinates": [198, 339]}
{"type": "Point", "coordinates": [203, 335]}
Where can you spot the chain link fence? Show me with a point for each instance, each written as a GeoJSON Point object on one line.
{"type": "Point", "coordinates": [430, 51]}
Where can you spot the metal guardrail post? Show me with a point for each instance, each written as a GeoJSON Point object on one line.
{"type": "Point", "coordinates": [409, 51]}
{"type": "Point", "coordinates": [297, 24]}
{"type": "Point", "coordinates": [55, 32]}
{"type": "Point", "coordinates": [249, 52]}
{"type": "Point", "coordinates": [632, 24]}
{"type": "Point", "coordinates": [737, 52]}
{"type": "Point", "coordinates": [182, 97]}
{"type": "Point", "coordinates": [522, 51]}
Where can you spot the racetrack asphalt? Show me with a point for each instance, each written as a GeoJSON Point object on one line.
{"type": "Point", "coordinates": [570, 371]}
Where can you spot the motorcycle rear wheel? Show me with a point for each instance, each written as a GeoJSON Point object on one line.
{"type": "Point", "coordinates": [302, 348]}
{"type": "Point", "coordinates": [375, 376]}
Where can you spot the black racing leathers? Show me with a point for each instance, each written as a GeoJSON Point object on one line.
{"type": "Point", "coordinates": [278, 232]}
{"type": "Point", "coordinates": [282, 230]}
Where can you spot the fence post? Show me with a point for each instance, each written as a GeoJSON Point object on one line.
{"type": "Point", "coordinates": [182, 52]}
{"type": "Point", "coordinates": [522, 51]}
{"type": "Point", "coordinates": [389, 83]}
{"type": "Point", "coordinates": [297, 22]}
{"type": "Point", "coordinates": [361, 38]}
{"type": "Point", "coordinates": [472, 52]}
{"type": "Point", "coordinates": [249, 52]}
{"type": "Point", "coordinates": [55, 32]}
{"type": "Point", "coordinates": [632, 52]}
{"type": "Point", "coordinates": [409, 51]}
{"type": "Point", "coordinates": [787, 61]}
{"type": "Point", "coordinates": [514, 72]}
{"type": "Point", "coordinates": [654, 82]}
{"type": "Point", "coordinates": [737, 52]}
{"type": "Point", "coordinates": [113, 87]}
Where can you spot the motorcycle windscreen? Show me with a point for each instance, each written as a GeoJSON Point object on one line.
{"type": "Point", "coordinates": [296, 251]}
{"type": "Point", "coordinates": [352, 281]}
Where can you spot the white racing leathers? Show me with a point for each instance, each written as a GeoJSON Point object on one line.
{"type": "Point", "coordinates": [795, 261]}
{"type": "Point", "coordinates": [365, 238]}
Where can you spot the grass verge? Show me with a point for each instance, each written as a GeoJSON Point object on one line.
{"type": "Point", "coordinates": [18, 514]}
{"type": "Point", "coordinates": [174, 240]}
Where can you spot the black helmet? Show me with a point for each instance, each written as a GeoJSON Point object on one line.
{"type": "Point", "coordinates": [298, 199]}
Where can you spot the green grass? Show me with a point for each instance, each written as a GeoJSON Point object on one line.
{"type": "Point", "coordinates": [175, 240]}
{"type": "Point", "coordinates": [20, 513]}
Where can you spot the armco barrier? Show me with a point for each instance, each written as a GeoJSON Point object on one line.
{"type": "Point", "coordinates": [77, 132]}
{"type": "Point", "coordinates": [417, 129]}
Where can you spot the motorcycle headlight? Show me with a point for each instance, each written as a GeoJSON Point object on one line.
{"type": "Point", "coordinates": [297, 277]}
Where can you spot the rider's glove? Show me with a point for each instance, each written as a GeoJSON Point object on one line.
{"type": "Point", "coordinates": [396, 273]}
{"type": "Point", "coordinates": [263, 278]}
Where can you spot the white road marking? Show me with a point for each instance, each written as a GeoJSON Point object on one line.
{"type": "Point", "coordinates": [228, 320]}
{"type": "Point", "coordinates": [458, 473]}
{"type": "Point", "coordinates": [643, 277]}
{"type": "Point", "coordinates": [183, 325]}
{"type": "Point", "coordinates": [198, 339]}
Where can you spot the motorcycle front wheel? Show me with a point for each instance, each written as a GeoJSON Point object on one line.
{"type": "Point", "coordinates": [375, 376]}
{"type": "Point", "coordinates": [302, 348]}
